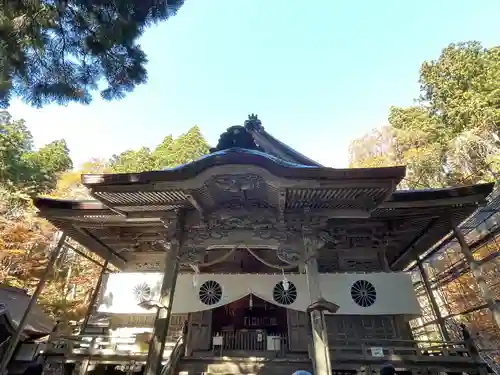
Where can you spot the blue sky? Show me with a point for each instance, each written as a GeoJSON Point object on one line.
{"type": "Point", "coordinates": [317, 76]}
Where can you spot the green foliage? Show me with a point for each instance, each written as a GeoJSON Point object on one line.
{"type": "Point", "coordinates": [186, 148]}
{"type": "Point", "coordinates": [462, 88]}
{"type": "Point", "coordinates": [25, 238]}
{"type": "Point", "coordinates": [24, 169]}
{"type": "Point", "coordinates": [132, 161]}
{"type": "Point", "coordinates": [59, 51]}
{"type": "Point", "coordinates": [168, 154]}
{"type": "Point", "coordinates": [451, 137]}
{"type": "Point", "coordinates": [69, 185]}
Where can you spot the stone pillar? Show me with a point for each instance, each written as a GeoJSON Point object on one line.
{"type": "Point", "coordinates": [93, 298]}
{"type": "Point", "coordinates": [59, 240]}
{"type": "Point", "coordinates": [475, 268]}
{"type": "Point", "coordinates": [321, 354]}
{"type": "Point", "coordinates": [435, 308]}
{"type": "Point", "coordinates": [164, 308]}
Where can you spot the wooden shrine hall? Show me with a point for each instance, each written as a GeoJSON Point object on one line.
{"type": "Point", "coordinates": [255, 221]}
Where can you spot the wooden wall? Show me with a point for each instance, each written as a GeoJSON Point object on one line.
{"type": "Point", "coordinates": [358, 327]}
{"type": "Point", "coordinates": [342, 327]}
{"type": "Point", "coordinates": [147, 321]}
{"type": "Point", "coordinates": [200, 331]}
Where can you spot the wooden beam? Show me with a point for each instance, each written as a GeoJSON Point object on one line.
{"type": "Point", "coordinates": [146, 237]}
{"type": "Point", "coordinates": [93, 299]}
{"type": "Point", "coordinates": [112, 255]}
{"type": "Point", "coordinates": [432, 299]}
{"type": "Point", "coordinates": [70, 213]}
{"type": "Point", "coordinates": [194, 202]}
{"type": "Point", "coordinates": [57, 245]}
{"type": "Point", "coordinates": [85, 256]}
{"type": "Point", "coordinates": [125, 224]}
{"type": "Point", "coordinates": [477, 273]}
{"type": "Point", "coordinates": [411, 246]}
{"type": "Point", "coordinates": [475, 200]}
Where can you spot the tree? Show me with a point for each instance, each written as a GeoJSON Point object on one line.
{"type": "Point", "coordinates": [24, 169]}
{"type": "Point", "coordinates": [188, 147]}
{"type": "Point", "coordinates": [69, 185]}
{"type": "Point", "coordinates": [452, 135]}
{"type": "Point", "coordinates": [168, 154]}
{"type": "Point", "coordinates": [132, 161]}
{"type": "Point", "coordinates": [449, 137]}
{"type": "Point", "coordinates": [60, 51]}
{"type": "Point", "coordinates": [25, 238]}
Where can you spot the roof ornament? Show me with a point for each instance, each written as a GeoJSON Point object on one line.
{"type": "Point", "coordinates": [253, 123]}
{"type": "Point", "coordinates": [239, 136]}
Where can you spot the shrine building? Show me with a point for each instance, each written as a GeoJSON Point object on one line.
{"type": "Point", "coordinates": [256, 259]}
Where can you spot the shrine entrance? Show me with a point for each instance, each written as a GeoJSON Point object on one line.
{"type": "Point", "coordinates": [250, 324]}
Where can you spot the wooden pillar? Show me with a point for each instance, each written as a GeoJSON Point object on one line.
{"type": "Point", "coordinates": [475, 268]}
{"type": "Point", "coordinates": [93, 298]}
{"type": "Point", "coordinates": [164, 309]}
{"type": "Point", "coordinates": [14, 340]}
{"type": "Point", "coordinates": [84, 366]}
{"type": "Point", "coordinates": [435, 308]}
{"type": "Point", "coordinates": [321, 354]}
{"type": "Point", "coordinates": [384, 264]}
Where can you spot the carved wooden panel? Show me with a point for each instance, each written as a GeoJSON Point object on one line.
{"type": "Point", "coordinates": [364, 260]}
{"type": "Point", "coordinates": [351, 260]}
{"type": "Point", "coordinates": [298, 330]}
{"type": "Point", "coordinates": [342, 327]}
{"type": "Point", "coordinates": [200, 330]}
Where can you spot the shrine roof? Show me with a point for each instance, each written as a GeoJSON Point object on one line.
{"type": "Point", "coordinates": [240, 157]}
{"type": "Point", "coordinates": [407, 223]}
{"type": "Point", "coordinates": [252, 135]}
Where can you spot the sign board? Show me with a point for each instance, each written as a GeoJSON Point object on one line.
{"type": "Point", "coordinates": [217, 340]}
{"type": "Point", "coordinates": [377, 352]}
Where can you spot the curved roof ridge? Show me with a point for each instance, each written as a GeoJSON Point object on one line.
{"type": "Point", "coordinates": [272, 145]}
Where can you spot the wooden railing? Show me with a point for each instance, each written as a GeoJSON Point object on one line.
{"type": "Point", "coordinates": [251, 341]}
{"type": "Point", "coordinates": [401, 349]}
{"type": "Point", "coordinates": [96, 345]}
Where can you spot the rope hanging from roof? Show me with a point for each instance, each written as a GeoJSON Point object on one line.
{"type": "Point", "coordinates": [263, 261]}
{"type": "Point", "coordinates": [216, 261]}
{"type": "Point", "coordinates": [222, 258]}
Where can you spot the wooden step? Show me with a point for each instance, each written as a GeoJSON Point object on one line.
{"type": "Point", "coordinates": [246, 366]}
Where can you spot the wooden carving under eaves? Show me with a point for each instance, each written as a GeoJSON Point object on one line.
{"type": "Point", "coordinates": [191, 255]}
{"type": "Point", "coordinates": [237, 183]}
{"type": "Point", "coordinates": [255, 227]}
{"type": "Point", "coordinates": [150, 246]}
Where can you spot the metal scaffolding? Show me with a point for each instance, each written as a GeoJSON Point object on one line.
{"type": "Point", "coordinates": [454, 288]}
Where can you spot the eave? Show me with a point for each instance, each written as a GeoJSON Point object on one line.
{"type": "Point", "coordinates": [238, 157]}
{"type": "Point", "coordinates": [419, 220]}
